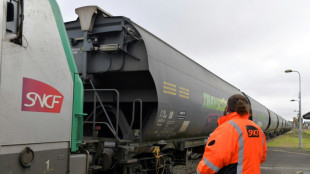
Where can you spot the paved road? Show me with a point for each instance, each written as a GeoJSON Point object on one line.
{"type": "Point", "coordinates": [286, 161]}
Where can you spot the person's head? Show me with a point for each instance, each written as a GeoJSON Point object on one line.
{"type": "Point", "coordinates": [238, 103]}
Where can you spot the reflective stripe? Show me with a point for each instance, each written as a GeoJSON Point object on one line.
{"type": "Point", "coordinates": [263, 142]}
{"type": "Point", "coordinates": [197, 172]}
{"type": "Point", "coordinates": [210, 165]}
{"type": "Point", "coordinates": [241, 147]}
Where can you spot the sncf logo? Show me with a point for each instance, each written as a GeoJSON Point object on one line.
{"type": "Point", "coordinates": [252, 131]}
{"type": "Point", "coordinates": [40, 97]}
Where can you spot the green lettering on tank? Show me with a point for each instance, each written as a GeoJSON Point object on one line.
{"type": "Point", "coordinates": [214, 103]}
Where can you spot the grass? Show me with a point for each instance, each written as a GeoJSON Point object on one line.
{"type": "Point", "coordinates": [291, 139]}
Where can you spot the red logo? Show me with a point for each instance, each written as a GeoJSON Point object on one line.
{"type": "Point", "coordinates": [40, 97]}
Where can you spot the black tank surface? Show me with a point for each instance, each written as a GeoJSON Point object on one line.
{"type": "Point", "coordinates": [144, 100]}
{"type": "Point", "coordinates": [190, 98]}
{"type": "Point", "coordinates": [181, 99]}
{"type": "Point", "coordinates": [260, 114]}
{"type": "Point", "coordinates": [274, 122]}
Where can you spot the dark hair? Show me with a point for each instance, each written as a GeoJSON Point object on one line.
{"type": "Point", "coordinates": [238, 103]}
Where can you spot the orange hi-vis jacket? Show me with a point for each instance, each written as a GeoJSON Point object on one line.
{"type": "Point", "coordinates": [236, 146]}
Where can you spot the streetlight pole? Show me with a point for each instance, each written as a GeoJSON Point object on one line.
{"type": "Point", "coordinates": [300, 119]}
{"type": "Point", "coordinates": [296, 118]}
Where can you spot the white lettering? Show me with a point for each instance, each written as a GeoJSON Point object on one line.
{"type": "Point", "coordinates": [41, 101]}
{"type": "Point", "coordinates": [47, 164]}
{"type": "Point", "coordinates": [45, 98]}
{"type": "Point", "coordinates": [54, 99]}
{"type": "Point", "coordinates": [48, 101]}
{"type": "Point", "coordinates": [31, 99]}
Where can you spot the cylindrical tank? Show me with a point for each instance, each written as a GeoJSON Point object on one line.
{"type": "Point", "coordinates": [180, 98]}
{"type": "Point", "coordinates": [280, 126]}
{"type": "Point", "coordinates": [260, 114]}
{"type": "Point", "coordinates": [273, 122]}
{"type": "Point", "coordinates": [190, 98]}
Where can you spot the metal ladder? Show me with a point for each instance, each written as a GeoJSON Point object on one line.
{"type": "Point", "coordinates": [120, 117]}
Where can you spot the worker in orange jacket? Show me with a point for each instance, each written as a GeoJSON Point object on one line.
{"type": "Point", "coordinates": [237, 145]}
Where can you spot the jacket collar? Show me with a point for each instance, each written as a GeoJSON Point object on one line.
{"type": "Point", "coordinates": [231, 116]}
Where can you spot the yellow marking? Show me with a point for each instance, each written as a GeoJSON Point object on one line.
{"type": "Point", "coordinates": [184, 89]}
{"type": "Point", "coordinates": [169, 88]}
{"type": "Point", "coordinates": [184, 96]}
{"type": "Point", "coordinates": [170, 84]}
{"type": "Point", "coordinates": [169, 92]}
{"type": "Point", "coordinates": [182, 92]}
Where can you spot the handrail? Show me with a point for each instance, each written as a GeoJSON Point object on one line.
{"type": "Point", "coordinates": [96, 96]}
{"type": "Point", "coordinates": [133, 116]}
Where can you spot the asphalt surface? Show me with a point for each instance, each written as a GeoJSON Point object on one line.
{"type": "Point", "coordinates": [286, 161]}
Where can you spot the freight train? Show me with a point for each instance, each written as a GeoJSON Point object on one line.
{"type": "Point", "coordinates": [102, 95]}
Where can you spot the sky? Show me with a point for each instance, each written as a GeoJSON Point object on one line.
{"type": "Point", "coordinates": [248, 43]}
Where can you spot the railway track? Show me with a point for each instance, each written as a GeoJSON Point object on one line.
{"type": "Point", "coordinates": [190, 168]}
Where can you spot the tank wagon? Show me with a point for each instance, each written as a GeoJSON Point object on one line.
{"type": "Point", "coordinates": [119, 100]}
{"type": "Point", "coordinates": [163, 97]}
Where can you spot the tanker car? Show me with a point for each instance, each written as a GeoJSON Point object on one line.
{"type": "Point", "coordinates": [102, 95]}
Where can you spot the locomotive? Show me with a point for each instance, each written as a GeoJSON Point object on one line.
{"type": "Point", "coordinates": [102, 95]}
